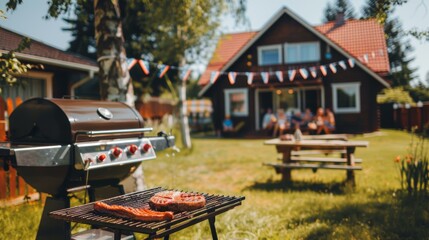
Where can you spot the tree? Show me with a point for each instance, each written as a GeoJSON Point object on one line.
{"type": "Point", "coordinates": [398, 46]}
{"type": "Point", "coordinates": [340, 6]}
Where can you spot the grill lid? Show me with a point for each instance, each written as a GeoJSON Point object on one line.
{"type": "Point", "coordinates": [59, 121]}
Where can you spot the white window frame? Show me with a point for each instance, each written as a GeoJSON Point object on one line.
{"type": "Point", "coordinates": [335, 87]}
{"type": "Point", "coordinates": [228, 92]}
{"type": "Point", "coordinates": [277, 47]}
{"type": "Point", "coordinates": [299, 51]}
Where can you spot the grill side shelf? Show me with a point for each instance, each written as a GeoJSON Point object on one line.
{"type": "Point", "coordinates": [215, 204]}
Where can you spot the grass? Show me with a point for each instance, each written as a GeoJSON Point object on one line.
{"type": "Point", "coordinates": [315, 206]}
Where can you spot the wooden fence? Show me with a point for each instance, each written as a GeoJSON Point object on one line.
{"type": "Point", "coordinates": [155, 108]}
{"type": "Point", "coordinates": [400, 116]}
{"type": "Point", "coordinates": [13, 189]}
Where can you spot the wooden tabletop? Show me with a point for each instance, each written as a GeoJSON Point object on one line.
{"type": "Point", "coordinates": [316, 143]}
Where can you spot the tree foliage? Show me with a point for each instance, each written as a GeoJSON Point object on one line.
{"type": "Point", "coordinates": [340, 6]}
{"type": "Point", "coordinates": [395, 95]}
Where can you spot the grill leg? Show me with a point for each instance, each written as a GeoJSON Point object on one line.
{"type": "Point", "coordinates": [50, 228]}
{"type": "Point", "coordinates": [213, 228]}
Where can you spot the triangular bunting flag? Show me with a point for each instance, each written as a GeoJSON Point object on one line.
{"type": "Point", "coordinates": [351, 62]}
{"type": "Point", "coordinates": [231, 77]}
{"type": "Point", "coordinates": [162, 70]}
{"type": "Point", "coordinates": [145, 66]}
{"type": "Point", "coordinates": [131, 62]}
{"type": "Point", "coordinates": [186, 75]}
{"type": "Point", "coordinates": [279, 75]}
{"type": "Point", "coordinates": [313, 72]}
{"type": "Point", "coordinates": [213, 77]}
{"type": "Point", "coordinates": [265, 77]}
{"type": "Point", "coordinates": [373, 54]}
{"type": "Point", "coordinates": [249, 77]}
{"type": "Point", "coordinates": [303, 72]}
{"type": "Point", "coordinates": [342, 64]}
{"type": "Point", "coordinates": [323, 70]}
{"type": "Point", "coordinates": [292, 74]}
{"type": "Point", "coordinates": [333, 67]}
{"type": "Point", "coordinates": [365, 58]}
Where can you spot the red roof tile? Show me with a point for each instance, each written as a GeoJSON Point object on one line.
{"type": "Point", "coordinates": [360, 37]}
{"type": "Point", "coordinates": [9, 41]}
{"type": "Point", "coordinates": [357, 37]}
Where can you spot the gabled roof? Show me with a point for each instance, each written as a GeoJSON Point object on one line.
{"type": "Point", "coordinates": [359, 37]}
{"type": "Point", "coordinates": [337, 37]}
{"type": "Point", "coordinates": [45, 54]}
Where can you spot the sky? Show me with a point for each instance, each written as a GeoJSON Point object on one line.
{"type": "Point", "coordinates": [28, 20]}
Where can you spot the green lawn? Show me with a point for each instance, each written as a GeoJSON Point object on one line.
{"type": "Point", "coordinates": [316, 206]}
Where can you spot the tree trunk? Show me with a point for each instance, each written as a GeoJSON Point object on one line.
{"type": "Point", "coordinates": [115, 81]}
{"type": "Point", "coordinates": [183, 118]}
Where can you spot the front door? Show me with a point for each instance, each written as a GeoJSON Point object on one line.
{"type": "Point", "coordinates": [265, 103]}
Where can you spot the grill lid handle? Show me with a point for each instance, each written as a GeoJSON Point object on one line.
{"type": "Point", "coordinates": [113, 132]}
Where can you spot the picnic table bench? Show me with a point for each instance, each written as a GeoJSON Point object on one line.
{"type": "Point", "coordinates": [295, 155]}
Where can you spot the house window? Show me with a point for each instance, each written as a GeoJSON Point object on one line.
{"type": "Point", "coordinates": [236, 102]}
{"type": "Point", "coordinates": [270, 55]}
{"type": "Point", "coordinates": [346, 97]}
{"type": "Point", "coordinates": [33, 84]}
{"type": "Point", "coordinates": [302, 52]}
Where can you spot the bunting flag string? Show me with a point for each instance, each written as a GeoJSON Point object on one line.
{"type": "Point", "coordinates": [304, 72]}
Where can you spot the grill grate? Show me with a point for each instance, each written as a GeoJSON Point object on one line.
{"type": "Point", "coordinates": [215, 204]}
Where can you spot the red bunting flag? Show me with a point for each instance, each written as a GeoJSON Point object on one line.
{"type": "Point", "coordinates": [145, 66]}
{"type": "Point", "coordinates": [323, 70]}
{"type": "Point", "coordinates": [351, 62]}
{"type": "Point", "coordinates": [163, 70]}
{"type": "Point", "coordinates": [186, 75]}
{"type": "Point", "coordinates": [303, 72]}
{"type": "Point", "coordinates": [333, 67]}
{"type": "Point", "coordinates": [231, 77]}
{"type": "Point", "coordinates": [132, 63]}
{"type": "Point", "coordinates": [313, 72]}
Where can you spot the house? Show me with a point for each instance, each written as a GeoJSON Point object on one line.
{"type": "Point", "coordinates": [292, 65]}
{"type": "Point", "coordinates": [63, 74]}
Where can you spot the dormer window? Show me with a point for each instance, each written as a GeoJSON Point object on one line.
{"type": "Point", "coordinates": [270, 55]}
{"type": "Point", "coordinates": [302, 52]}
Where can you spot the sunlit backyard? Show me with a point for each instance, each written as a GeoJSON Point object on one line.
{"type": "Point", "coordinates": [316, 206]}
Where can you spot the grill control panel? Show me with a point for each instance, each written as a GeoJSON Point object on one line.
{"type": "Point", "coordinates": [101, 154]}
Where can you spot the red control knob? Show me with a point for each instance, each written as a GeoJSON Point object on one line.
{"type": "Point", "coordinates": [101, 157]}
{"type": "Point", "coordinates": [116, 152]}
{"type": "Point", "coordinates": [132, 148]}
{"type": "Point", "coordinates": [146, 147]}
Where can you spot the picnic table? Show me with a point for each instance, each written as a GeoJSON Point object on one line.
{"type": "Point", "coordinates": [292, 157]}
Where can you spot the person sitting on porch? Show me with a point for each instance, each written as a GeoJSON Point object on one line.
{"type": "Point", "coordinates": [269, 120]}
{"type": "Point", "coordinates": [307, 117]}
{"type": "Point", "coordinates": [227, 124]}
{"type": "Point", "coordinates": [282, 123]}
{"type": "Point", "coordinates": [325, 121]}
{"type": "Point", "coordinates": [296, 120]}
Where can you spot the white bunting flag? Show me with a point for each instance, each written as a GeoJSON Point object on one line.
{"type": "Point", "coordinates": [333, 67]}
{"type": "Point", "coordinates": [186, 75]}
{"type": "Point", "coordinates": [351, 62]}
{"type": "Point", "coordinates": [373, 54]}
{"type": "Point", "coordinates": [265, 77]}
{"type": "Point", "coordinates": [323, 70]}
{"type": "Point", "coordinates": [291, 74]}
{"type": "Point", "coordinates": [365, 58]}
{"type": "Point", "coordinates": [249, 77]}
{"type": "Point", "coordinates": [279, 75]}
{"type": "Point", "coordinates": [313, 72]}
{"type": "Point", "coordinates": [303, 72]}
{"type": "Point", "coordinates": [342, 64]}
{"type": "Point", "coordinates": [213, 77]}
{"type": "Point", "coordinates": [231, 77]}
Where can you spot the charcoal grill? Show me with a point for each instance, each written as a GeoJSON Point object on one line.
{"type": "Point", "coordinates": [62, 145]}
{"type": "Point", "coordinates": [215, 204]}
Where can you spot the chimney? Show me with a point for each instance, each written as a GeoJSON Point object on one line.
{"type": "Point", "coordinates": [339, 19]}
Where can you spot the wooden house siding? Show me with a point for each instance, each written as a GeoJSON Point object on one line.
{"type": "Point", "coordinates": [287, 30]}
